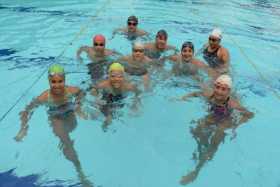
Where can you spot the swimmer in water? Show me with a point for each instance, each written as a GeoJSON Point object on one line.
{"type": "Point", "coordinates": [137, 64]}
{"type": "Point", "coordinates": [132, 32]}
{"type": "Point", "coordinates": [186, 64]}
{"type": "Point", "coordinates": [63, 102]}
{"type": "Point", "coordinates": [215, 54]}
{"type": "Point", "coordinates": [225, 112]}
{"type": "Point", "coordinates": [113, 91]}
{"type": "Point", "coordinates": [98, 55]}
{"type": "Point", "coordinates": [156, 49]}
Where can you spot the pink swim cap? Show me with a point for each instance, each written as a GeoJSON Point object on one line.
{"type": "Point", "coordinates": [99, 38]}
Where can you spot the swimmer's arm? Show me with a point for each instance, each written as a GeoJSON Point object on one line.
{"type": "Point", "coordinates": [211, 73]}
{"type": "Point", "coordinates": [171, 58]}
{"type": "Point", "coordinates": [225, 56]}
{"type": "Point", "coordinates": [82, 49]}
{"type": "Point", "coordinates": [137, 92]}
{"type": "Point", "coordinates": [193, 94]}
{"type": "Point", "coordinates": [146, 80]}
{"type": "Point", "coordinates": [26, 114]}
{"type": "Point", "coordinates": [116, 31]}
{"type": "Point", "coordinates": [245, 114]}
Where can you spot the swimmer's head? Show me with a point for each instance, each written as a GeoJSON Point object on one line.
{"type": "Point", "coordinates": [189, 45]}
{"type": "Point", "coordinates": [161, 40]}
{"type": "Point", "coordinates": [138, 45]}
{"type": "Point", "coordinates": [216, 33]}
{"type": "Point", "coordinates": [56, 69]}
{"type": "Point", "coordinates": [115, 66]}
{"type": "Point", "coordinates": [138, 51]}
{"type": "Point", "coordinates": [99, 38]}
{"type": "Point", "coordinates": [187, 51]}
{"type": "Point", "coordinates": [224, 80]}
{"type": "Point", "coordinates": [132, 19]}
{"type": "Point", "coordinates": [116, 75]}
{"type": "Point", "coordinates": [162, 34]}
{"type": "Point", "coordinates": [56, 79]}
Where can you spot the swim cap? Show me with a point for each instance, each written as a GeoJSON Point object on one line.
{"type": "Point", "coordinates": [216, 32]}
{"type": "Point", "coordinates": [224, 79]}
{"type": "Point", "coordinates": [99, 38]}
{"type": "Point", "coordinates": [162, 32]}
{"type": "Point", "coordinates": [138, 45]}
{"type": "Point", "coordinates": [132, 18]}
{"type": "Point", "coordinates": [187, 44]}
{"type": "Point", "coordinates": [56, 69]}
{"type": "Point", "coordinates": [116, 67]}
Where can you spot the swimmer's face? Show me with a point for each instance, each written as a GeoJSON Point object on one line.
{"type": "Point", "coordinates": [161, 42]}
{"type": "Point", "coordinates": [214, 41]}
{"type": "Point", "coordinates": [187, 53]}
{"type": "Point", "coordinates": [132, 26]}
{"type": "Point", "coordinates": [99, 46]}
{"type": "Point", "coordinates": [221, 91]}
{"type": "Point", "coordinates": [116, 78]}
{"type": "Point", "coordinates": [138, 53]}
{"type": "Point", "coordinates": [57, 84]}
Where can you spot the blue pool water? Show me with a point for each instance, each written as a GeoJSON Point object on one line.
{"type": "Point", "coordinates": [154, 147]}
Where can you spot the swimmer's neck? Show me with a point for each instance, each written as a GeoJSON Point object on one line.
{"type": "Point", "coordinates": [213, 48]}
{"type": "Point", "coordinates": [220, 101]}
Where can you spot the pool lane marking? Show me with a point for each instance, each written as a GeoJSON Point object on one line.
{"type": "Point", "coordinates": [82, 30]}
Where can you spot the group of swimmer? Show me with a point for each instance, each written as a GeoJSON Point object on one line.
{"type": "Point", "coordinates": [109, 70]}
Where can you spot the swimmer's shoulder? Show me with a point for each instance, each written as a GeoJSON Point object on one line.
{"type": "Point", "coordinates": [141, 32]}
{"type": "Point", "coordinates": [73, 89]}
{"type": "Point", "coordinates": [149, 45]}
{"type": "Point", "coordinates": [43, 97]}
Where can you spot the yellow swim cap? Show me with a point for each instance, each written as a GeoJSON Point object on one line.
{"type": "Point", "coordinates": [116, 67]}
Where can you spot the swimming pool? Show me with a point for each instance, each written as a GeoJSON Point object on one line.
{"type": "Point", "coordinates": [154, 148]}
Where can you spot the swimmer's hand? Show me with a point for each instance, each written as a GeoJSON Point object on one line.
{"type": "Point", "coordinates": [21, 134]}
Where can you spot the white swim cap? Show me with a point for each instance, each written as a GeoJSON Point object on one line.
{"type": "Point", "coordinates": [138, 45]}
{"type": "Point", "coordinates": [224, 79]}
{"type": "Point", "coordinates": [216, 32]}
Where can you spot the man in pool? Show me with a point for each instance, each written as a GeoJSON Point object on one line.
{"type": "Point", "coordinates": [112, 91]}
{"type": "Point", "coordinates": [98, 55]}
{"type": "Point", "coordinates": [225, 112]}
{"type": "Point", "coordinates": [159, 48]}
{"type": "Point", "coordinates": [215, 54]}
{"type": "Point", "coordinates": [137, 64]}
{"type": "Point", "coordinates": [131, 30]}
{"type": "Point", "coordinates": [62, 102]}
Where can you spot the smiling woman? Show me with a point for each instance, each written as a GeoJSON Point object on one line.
{"type": "Point", "coordinates": [149, 140]}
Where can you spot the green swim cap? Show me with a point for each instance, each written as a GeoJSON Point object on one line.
{"type": "Point", "coordinates": [56, 69]}
{"type": "Point", "coordinates": [116, 67]}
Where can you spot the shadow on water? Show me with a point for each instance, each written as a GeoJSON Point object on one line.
{"type": "Point", "coordinates": [9, 179]}
{"type": "Point", "coordinates": [21, 9]}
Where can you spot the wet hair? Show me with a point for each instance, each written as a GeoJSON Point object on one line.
{"type": "Point", "coordinates": [188, 44]}
{"type": "Point", "coordinates": [132, 18]}
{"type": "Point", "coordinates": [162, 32]}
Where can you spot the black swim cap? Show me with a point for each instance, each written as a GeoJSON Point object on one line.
{"type": "Point", "coordinates": [132, 18]}
{"type": "Point", "coordinates": [188, 44]}
{"type": "Point", "coordinates": [162, 32]}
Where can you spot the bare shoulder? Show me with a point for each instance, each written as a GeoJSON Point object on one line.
{"type": "Point", "coordinates": [73, 89]}
{"type": "Point", "coordinates": [198, 63]}
{"type": "Point", "coordinates": [103, 84]}
{"type": "Point", "coordinates": [149, 45]}
{"type": "Point", "coordinates": [44, 96]}
{"type": "Point", "coordinates": [141, 32]}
